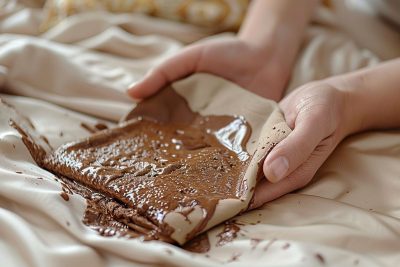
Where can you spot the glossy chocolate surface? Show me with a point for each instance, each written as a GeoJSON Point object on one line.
{"type": "Point", "coordinates": [164, 159]}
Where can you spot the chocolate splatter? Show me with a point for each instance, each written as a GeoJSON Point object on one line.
{"type": "Point", "coordinates": [94, 128]}
{"type": "Point", "coordinates": [320, 258]}
{"type": "Point", "coordinates": [100, 126]}
{"type": "Point", "coordinates": [231, 228]}
{"type": "Point", "coordinates": [235, 256]}
{"type": "Point", "coordinates": [254, 242]}
{"type": "Point", "coordinates": [64, 196]}
{"type": "Point", "coordinates": [269, 244]}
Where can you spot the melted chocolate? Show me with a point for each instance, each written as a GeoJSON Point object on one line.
{"type": "Point", "coordinates": [155, 168]}
{"type": "Point", "coordinates": [166, 159]}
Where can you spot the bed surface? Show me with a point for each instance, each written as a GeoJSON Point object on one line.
{"type": "Point", "coordinates": [349, 215]}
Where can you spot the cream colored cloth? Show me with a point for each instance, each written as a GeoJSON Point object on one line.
{"type": "Point", "coordinates": [348, 216]}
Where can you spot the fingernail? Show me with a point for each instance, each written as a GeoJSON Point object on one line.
{"type": "Point", "coordinates": [279, 168]}
{"type": "Point", "coordinates": [131, 87]}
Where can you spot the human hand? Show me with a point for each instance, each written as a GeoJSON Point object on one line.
{"type": "Point", "coordinates": [256, 69]}
{"type": "Point", "coordinates": [320, 114]}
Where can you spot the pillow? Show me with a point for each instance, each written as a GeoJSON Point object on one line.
{"type": "Point", "coordinates": [223, 14]}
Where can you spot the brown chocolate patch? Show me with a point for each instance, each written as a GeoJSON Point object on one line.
{"type": "Point", "coordinates": [152, 168]}
{"type": "Point", "coordinates": [64, 196]}
{"type": "Point", "coordinates": [100, 126]}
{"type": "Point", "coordinates": [168, 159]}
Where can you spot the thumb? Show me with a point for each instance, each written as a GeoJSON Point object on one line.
{"type": "Point", "coordinates": [293, 151]}
{"type": "Point", "coordinates": [174, 68]}
{"type": "Point", "coordinates": [267, 191]}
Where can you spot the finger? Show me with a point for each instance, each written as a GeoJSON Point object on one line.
{"type": "Point", "coordinates": [295, 149]}
{"type": "Point", "coordinates": [288, 111]}
{"type": "Point", "coordinates": [172, 69]}
{"type": "Point", "coordinates": [267, 191]}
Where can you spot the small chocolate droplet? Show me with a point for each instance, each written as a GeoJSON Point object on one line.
{"type": "Point", "coordinates": [64, 196]}
{"type": "Point", "coordinates": [320, 258]}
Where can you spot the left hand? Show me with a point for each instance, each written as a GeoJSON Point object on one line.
{"type": "Point", "coordinates": [262, 70]}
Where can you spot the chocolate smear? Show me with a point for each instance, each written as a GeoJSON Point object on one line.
{"type": "Point", "coordinates": [166, 158]}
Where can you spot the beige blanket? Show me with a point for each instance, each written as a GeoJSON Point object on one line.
{"type": "Point", "coordinates": [348, 216]}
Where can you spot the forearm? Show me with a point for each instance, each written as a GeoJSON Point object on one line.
{"type": "Point", "coordinates": [278, 23]}
{"type": "Point", "coordinates": [374, 97]}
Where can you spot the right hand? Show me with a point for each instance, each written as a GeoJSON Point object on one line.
{"type": "Point", "coordinates": [320, 115]}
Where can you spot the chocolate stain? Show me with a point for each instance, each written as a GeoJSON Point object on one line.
{"type": "Point", "coordinates": [269, 244]}
{"type": "Point", "coordinates": [199, 244]}
{"type": "Point", "coordinates": [88, 128]}
{"type": "Point", "coordinates": [235, 257]}
{"type": "Point", "coordinates": [254, 242]}
{"type": "Point", "coordinates": [64, 196]}
{"type": "Point", "coordinates": [165, 158]}
{"type": "Point", "coordinates": [100, 126]}
{"type": "Point", "coordinates": [94, 128]}
{"type": "Point", "coordinates": [229, 233]}
{"type": "Point", "coordinates": [320, 258]}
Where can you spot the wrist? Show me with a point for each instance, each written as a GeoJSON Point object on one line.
{"type": "Point", "coordinates": [276, 41]}
{"type": "Point", "coordinates": [353, 118]}
{"type": "Point", "coordinates": [277, 28]}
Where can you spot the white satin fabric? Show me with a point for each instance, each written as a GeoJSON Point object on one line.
{"type": "Point", "coordinates": [78, 71]}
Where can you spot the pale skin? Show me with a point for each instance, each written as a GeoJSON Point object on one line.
{"type": "Point", "coordinates": [321, 113]}
{"type": "Point", "coordinates": [260, 56]}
